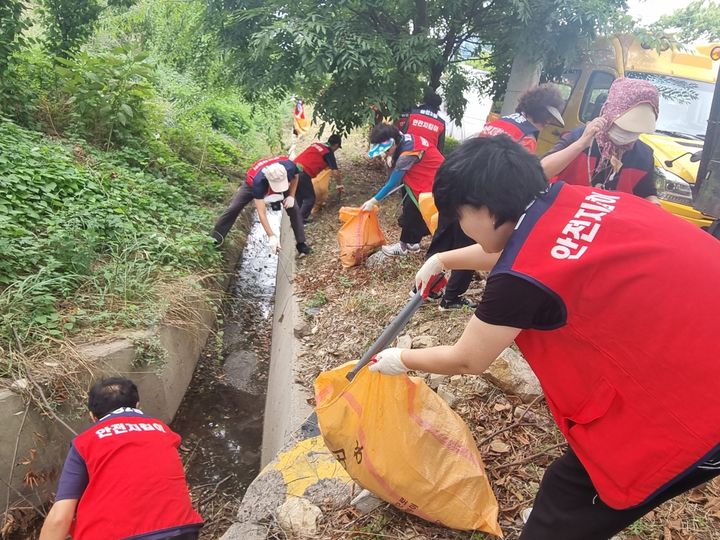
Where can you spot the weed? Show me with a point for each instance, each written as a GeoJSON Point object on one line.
{"type": "Point", "coordinates": [319, 299]}
{"type": "Point", "coordinates": [148, 352]}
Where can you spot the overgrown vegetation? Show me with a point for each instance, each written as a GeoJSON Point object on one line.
{"type": "Point", "coordinates": [115, 143]}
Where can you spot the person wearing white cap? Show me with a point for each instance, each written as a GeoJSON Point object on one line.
{"type": "Point", "coordinates": [607, 153]}
{"type": "Point", "coordinates": [538, 107]}
{"type": "Point", "coordinates": [268, 180]}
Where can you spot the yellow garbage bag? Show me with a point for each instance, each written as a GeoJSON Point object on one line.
{"type": "Point", "coordinates": [321, 185]}
{"type": "Point", "coordinates": [359, 236]}
{"type": "Point", "coordinates": [428, 210]}
{"type": "Point", "coordinates": [400, 440]}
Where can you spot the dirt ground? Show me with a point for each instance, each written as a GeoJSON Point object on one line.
{"type": "Point", "coordinates": [351, 308]}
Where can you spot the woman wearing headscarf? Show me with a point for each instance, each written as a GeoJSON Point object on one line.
{"type": "Point", "coordinates": [606, 153]}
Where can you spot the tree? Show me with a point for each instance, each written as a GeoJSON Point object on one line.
{"type": "Point", "coordinates": [700, 20]}
{"type": "Point", "coordinates": [12, 25]}
{"type": "Point", "coordinates": [348, 55]}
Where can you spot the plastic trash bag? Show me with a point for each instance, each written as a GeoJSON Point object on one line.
{"type": "Point", "coordinates": [400, 440]}
{"type": "Point", "coordinates": [321, 185]}
{"type": "Point", "coordinates": [428, 210]}
{"type": "Point", "coordinates": [359, 236]}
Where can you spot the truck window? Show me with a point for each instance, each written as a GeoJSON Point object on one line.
{"type": "Point", "coordinates": [566, 84]}
{"type": "Point", "coordinates": [595, 94]}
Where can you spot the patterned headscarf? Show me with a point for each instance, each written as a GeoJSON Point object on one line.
{"type": "Point", "coordinates": [624, 94]}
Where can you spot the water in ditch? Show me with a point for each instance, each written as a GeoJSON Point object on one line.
{"type": "Point", "coordinates": [221, 416]}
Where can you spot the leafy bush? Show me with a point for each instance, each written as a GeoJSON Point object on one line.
{"type": "Point", "coordinates": [450, 145]}
{"type": "Point", "coordinates": [110, 94]}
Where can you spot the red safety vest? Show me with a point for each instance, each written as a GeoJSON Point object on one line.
{"type": "Point", "coordinates": [421, 176]}
{"type": "Point", "coordinates": [136, 480]}
{"type": "Point", "coordinates": [312, 159]}
{"type": "Point", "coordinates": [631, 377]}
{"type": "Point", "coordinates": [259, 165]}
{"type": "Point", "coordinates": [637, 163]}
{"type": "Point", "coordinates": [517, 127]}
{"type": "Point", "coordinates": [425, 123]}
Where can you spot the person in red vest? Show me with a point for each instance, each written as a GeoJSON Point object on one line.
{"type": "Point", "coordinates": [425, 120]}
{"type": "Point", "coordinates": [270, 179]}
{"type": "Point", "coordinates": [123, 477]}
{"type": "Point", "coordinates": [537, 108]}
{"type": "Point", "coordinates": [607, 153]}
{"type": "Point", "coordinates": [580, 282]}
{"type": "Point", "coordinates": [312, 161]}
{"type": "Point", "coordinates": [414, 164]}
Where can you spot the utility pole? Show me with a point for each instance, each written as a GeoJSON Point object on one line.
{"type": "Point", "coordinates": [708, 179]}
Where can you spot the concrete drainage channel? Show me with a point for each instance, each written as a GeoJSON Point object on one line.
{"type": "Point", "coordinates": [221, 416]}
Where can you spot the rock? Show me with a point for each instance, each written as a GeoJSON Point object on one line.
{"type": "Point", "coordinates": [499, 447]}
{"type": "Point", "coordinates": [444, 392]}
{"type": "Point", "coordinates": [366, 502]}
{"type": "Point", "coordinates": [312, 311]}
{"type": "Point", "coordinates": [435, 380]}
{"type": "Point", "coordinates": [423, 342]}
{"type": "Point", "coordinates": [298, 517]}
{"type": "Point", "coordinates": [512, 374]}
{"type": "Point", "coordinates": [302, 329]}
{"type": "Point", "coordinates": [405, 342]}
{"type": "Point", "coordinates": [377, 259]}
{"type": "Point", "coordinates": [20, 384]}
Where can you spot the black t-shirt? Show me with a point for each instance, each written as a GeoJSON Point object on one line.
{"type": "Point", "coordinates": [509, 300]}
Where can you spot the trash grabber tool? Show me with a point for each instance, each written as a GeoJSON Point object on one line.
{"type": "Point", "coordinates": [393, 329]}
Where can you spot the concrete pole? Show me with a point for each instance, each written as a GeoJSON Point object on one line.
{"type": "Point", "coordinates": [525, 74]}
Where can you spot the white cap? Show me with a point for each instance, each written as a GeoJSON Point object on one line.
{"type": "Point", "coordinates": [276, 175]}
{"type": "Point", "coordinates": [639, 119]}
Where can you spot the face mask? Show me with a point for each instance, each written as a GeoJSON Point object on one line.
{"type": "Point", "coordinates": [622, 137]}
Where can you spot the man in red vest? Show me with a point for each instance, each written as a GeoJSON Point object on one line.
{"type": "Point", "coordinates": [580, 282]}
{"type": "Point", "coordinates": [425, 121]}
{"type": "Point", "coordinates": [269, 180]}
{"type": "Point", "coordinates": [312, 161]}
{"type": "Point", "coordinates": [123, 476]}
{"type": "Point", "coordinates": [414, 163]}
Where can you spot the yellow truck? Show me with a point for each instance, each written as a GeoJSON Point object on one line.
{"type": "Point", "coordinates": [685, 79]}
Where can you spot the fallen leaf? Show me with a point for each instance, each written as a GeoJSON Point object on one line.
{"type": "Point", "coordinates": [499, 446]}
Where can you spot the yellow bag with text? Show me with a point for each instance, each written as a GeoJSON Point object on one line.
{"type": "Point", "coordinates": [359, 236]}
{"type": "Point", "coordinates": [428, 210]}
{"type": "Point", "coordinates": [321, 185]}
{"type": "Point", "coordinates": [401, 441]}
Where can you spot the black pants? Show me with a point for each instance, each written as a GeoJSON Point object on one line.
{"type": "Point", "coordinates": [411, 222]}
{"type": "Point", "coordinates": [306, 194]}
{"type": "Point", "coordinates": [240, 200]}
{"type": "Point", "coordinates": [449, 236]}
{"type": "Point", "coordinates": [567, 507]}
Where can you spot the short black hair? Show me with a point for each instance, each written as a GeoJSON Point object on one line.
{"type": "Point", "coordinates": [495, 172]}
{"type": "Point", "coordinates": [432, 100]}
{"type": "Point", "coordinates": [383, 132]}
{"type": "Point", "coordinates": [335, 139]}
{"type": "Point", "coordinates": [106, 395]}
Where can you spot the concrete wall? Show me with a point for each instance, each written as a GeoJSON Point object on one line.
{"type": "Point", "coordinates": [42, 443]}
{"type": "Point", "coordinates": [286, 407]}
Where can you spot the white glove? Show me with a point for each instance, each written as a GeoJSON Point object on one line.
{"type": "Point", "coordinates": [368, 205]}
{"type": "Point", "coordinates": [427, 274]}
{"type": "Point", "coordinates": [289, 201]}
{"type": "Point", "coordinates": [389, 362]}
{"type": "Point", "coordinates": [274, 243]}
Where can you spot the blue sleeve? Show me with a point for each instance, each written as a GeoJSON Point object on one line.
{"type": "Point", "coordinates": [74, 477]}
{"type": "Point", "coordinates": [394, 181]}
{"type": "Point", "coordinates": [331, 161]}
{"type": "Point", "coordinates": [291, 169]}
{"type": "Point", "coordinates": [260, 186]}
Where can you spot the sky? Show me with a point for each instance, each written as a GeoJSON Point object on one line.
{"type": "Point", "coordinates": [649, 11]}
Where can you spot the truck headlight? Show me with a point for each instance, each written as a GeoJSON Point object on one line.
{"type": "Point", "coordinates": [672, 188]}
